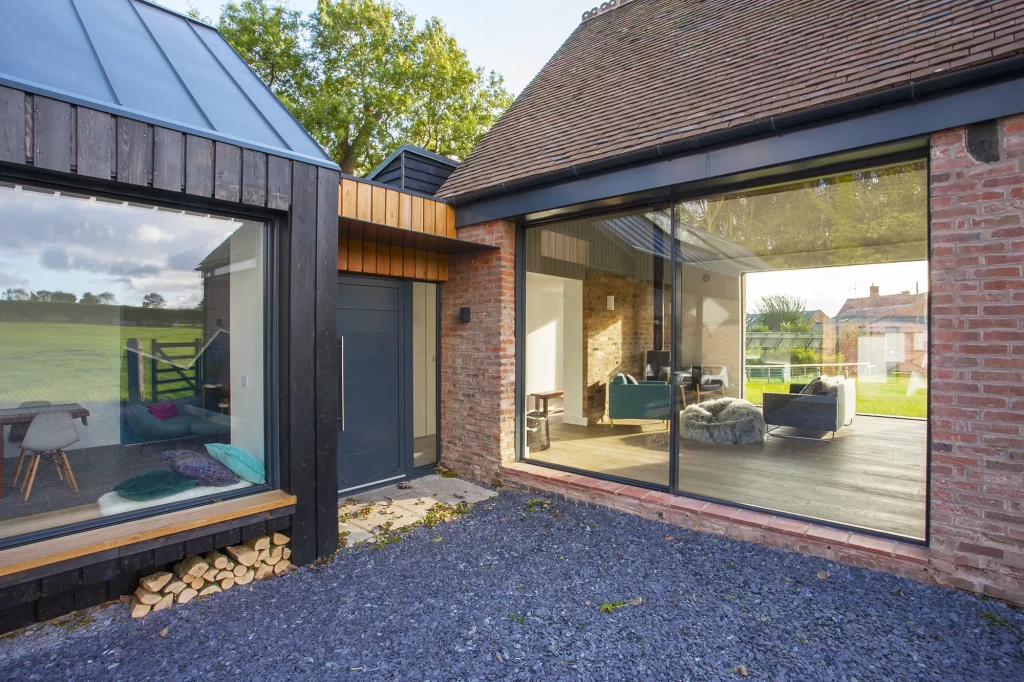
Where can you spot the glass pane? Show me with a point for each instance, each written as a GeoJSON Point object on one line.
{"type": "Point", "coordinates": [132, 340]}
{"type": "Point", "coordinates": [424, 367]}
{"type": "Point", "coordinates": [597, 348]}
{"type": "Point", "coordinates": [808, 303]}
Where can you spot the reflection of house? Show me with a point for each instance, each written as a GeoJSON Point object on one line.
{"type": "Point", "coordinates": [226, 263]}
{"type": "Point", "coordinates": [889, 332]}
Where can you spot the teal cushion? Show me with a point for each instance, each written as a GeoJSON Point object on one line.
{"type": "Point", "coordinates": [245, 466]}
{"type": "Point", "coordinates": [620, 378]}
{"type": "Point", "coordinates": [153, 485]}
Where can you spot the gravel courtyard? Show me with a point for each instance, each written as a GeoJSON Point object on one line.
{"type": "Point", "coordinates": [526, 588]}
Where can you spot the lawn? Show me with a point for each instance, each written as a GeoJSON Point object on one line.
{"type": "Point", "coordinates": [67, 362]}
{"type": "Point", "coordinates": [888, 397]}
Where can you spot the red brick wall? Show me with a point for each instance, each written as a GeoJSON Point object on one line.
{"type": "Point", "coordinates": [977, 473]}
{"type": "Point", "coordinates": [478, 358]}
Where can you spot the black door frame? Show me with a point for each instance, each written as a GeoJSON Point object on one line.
{"type": "Point", "coordinates": [405, 332]}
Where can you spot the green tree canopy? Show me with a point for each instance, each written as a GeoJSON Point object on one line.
{"type": "Point", "coordinates": [782, 313]}
{"type": "Point", "coordinates": [362, 76]}
{"type": "Point", "coordinates": [105, 298]}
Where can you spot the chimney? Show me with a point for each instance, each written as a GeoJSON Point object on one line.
{"type": "Point", "coordinates": [874, 291]}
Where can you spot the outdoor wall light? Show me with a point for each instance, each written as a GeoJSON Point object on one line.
{"type": "Point", "coordinates": [611, 303]}
{"type": "Point", "coordinates": [464, 315]}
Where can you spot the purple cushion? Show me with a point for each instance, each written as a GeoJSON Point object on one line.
{"type": "Point", "coordinates": [199, 466]}
{"type": "Point", "coordinates": [163, 410]}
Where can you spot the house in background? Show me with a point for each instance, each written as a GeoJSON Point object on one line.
{"type": "Point", "coordinates": [888, 332]}
{"type": "Point", "coordinates": [661, 124]}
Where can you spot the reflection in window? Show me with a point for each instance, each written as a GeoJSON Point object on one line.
{"type": "Point", "coordinates": [597, 347]}
{"type": "Point", "coordinates": [804, 312]}
{"type": "Point", "coordinates": [133, 353]}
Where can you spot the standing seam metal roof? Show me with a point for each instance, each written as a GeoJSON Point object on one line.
{"type": "Point", "coordinates": [139, 60]}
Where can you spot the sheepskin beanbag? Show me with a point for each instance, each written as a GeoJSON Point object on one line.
{"type": "Point", "coordinates": [726, 421]}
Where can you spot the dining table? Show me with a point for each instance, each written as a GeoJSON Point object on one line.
{"type": "Point", "coordinates": [24, 415]}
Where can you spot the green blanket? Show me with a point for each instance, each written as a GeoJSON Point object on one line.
{"type": "Point", "coordinates": [153, 485]}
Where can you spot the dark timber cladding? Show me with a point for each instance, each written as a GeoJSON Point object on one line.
{"type": "Point", "coordinates": [50, 141]}
{"type": "Point", "coordinates": [415, 169]}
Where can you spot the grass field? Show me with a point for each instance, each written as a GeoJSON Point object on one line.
{"type": "Point", "coordinates": [63, 362]}
{"type": "Point", "coordinates": [888, 398]}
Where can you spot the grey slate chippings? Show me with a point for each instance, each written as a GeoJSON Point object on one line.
{"type": "Point", "coordinates": [513, 590]}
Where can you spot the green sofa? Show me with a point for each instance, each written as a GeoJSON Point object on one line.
{"type": "Point", "coordinates": [641, 400]}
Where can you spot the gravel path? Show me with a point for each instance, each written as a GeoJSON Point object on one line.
{"type": "Point", "coordinates": [514, 591]}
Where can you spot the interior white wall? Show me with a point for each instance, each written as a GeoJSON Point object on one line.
{"type": "Point", "coordinates": [554, 340]}
{"type": "Point", "coordinates": [424, 359]}
{"type": "Point", "coordinates": [572, 364]}
{"type": "Point", "coordinates": [544, 333]}
{"type": "Point", "coordinates": [246, 342]}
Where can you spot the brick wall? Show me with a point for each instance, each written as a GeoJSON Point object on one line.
{"type": "Point", "coordinates": [977, 471]}
{"type": "Point", "coordinates": [478, 358]}
{"type": "Point", "coordinates": [616, 340]}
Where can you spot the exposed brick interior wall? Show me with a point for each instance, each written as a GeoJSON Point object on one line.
{"type": "Point", "coordinates": [616, 340]}
{"type": "Point", "coordinates": [977, 391]}
{"type": "Point", "coordinates": [478, 358]}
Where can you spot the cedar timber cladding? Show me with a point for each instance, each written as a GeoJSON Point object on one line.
{"type": "Point", "coordinates": [361, 248]}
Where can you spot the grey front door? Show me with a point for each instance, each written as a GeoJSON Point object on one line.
{"type": "Point", "coordinates": [372, 333]}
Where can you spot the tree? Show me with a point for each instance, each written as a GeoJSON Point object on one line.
{"type": "Point", "coordinates": [16, 295]}
{"type": "Point", "coordinates": [782, 313]}
{"type": "Point", "coordinates": [361, 77]}
{"type": "Point", "coordinates": [153, 300]}
{"type": "Point", "coordinates": [46, 296]}
{"type": "Point", "coordinates": [106, 298]}
{"type": "Point", "coordinates": [270, 39]}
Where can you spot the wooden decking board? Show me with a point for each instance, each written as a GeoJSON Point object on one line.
{"type": "Point", "coordinates": [872, 476]}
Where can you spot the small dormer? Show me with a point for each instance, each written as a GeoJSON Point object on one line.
{"type": "Point", "coordinates": [414, 168]}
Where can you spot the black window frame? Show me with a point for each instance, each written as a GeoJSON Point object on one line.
{"type": "Point", "coordinates": [276, 269]}
{"type": "Point", "coordinates": [809, 170]}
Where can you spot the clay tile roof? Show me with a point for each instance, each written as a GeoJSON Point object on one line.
{"type": "Point", "coordinates": [652, 72]}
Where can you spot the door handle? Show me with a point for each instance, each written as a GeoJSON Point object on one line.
{"type": "Point", "coordinates": [341, 383]}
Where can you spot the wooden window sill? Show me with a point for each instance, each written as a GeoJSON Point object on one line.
{"type": "Point", "coordinates": [56, 550]}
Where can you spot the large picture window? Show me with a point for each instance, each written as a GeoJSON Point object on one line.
{"type": "Point", "coordinates": [133, 346]}
{"type": "Point", "coordinates": [794, 353]}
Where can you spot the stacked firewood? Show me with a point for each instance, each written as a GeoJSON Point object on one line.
{"type": "Point", "coordinates": [199, 576]}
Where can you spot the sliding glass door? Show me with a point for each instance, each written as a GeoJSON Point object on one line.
{"type": "Point", "coordinates": [769, 347]}
{"type": "Point", "coordinates": [597, 348]}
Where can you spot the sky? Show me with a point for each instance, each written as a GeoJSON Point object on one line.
{"type": "Point", "coordinates": [513, 37]}
{"type": "Point", "coordinates": [68, 243]}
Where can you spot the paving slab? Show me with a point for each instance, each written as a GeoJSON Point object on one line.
{"type": "Point", "coordinates": [403, 504]}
